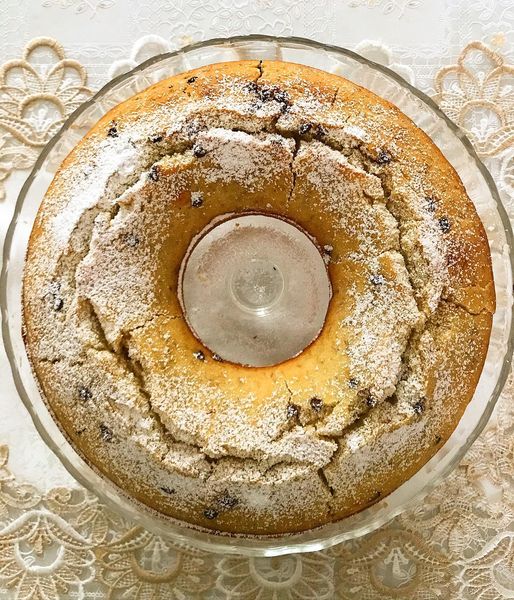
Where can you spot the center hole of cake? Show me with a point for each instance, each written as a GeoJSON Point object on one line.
{"type": "Point", "coordinates": [254, 289]}
{"type": "Point", "coordinates": [257, 285]}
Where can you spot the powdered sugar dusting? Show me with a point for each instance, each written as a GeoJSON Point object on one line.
{"type": "Point", "coordinates": [206, 441]}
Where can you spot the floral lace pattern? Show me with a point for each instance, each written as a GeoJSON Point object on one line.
{"type": "Point", "coordinates": [457, 544]}
{"type": "Point", "coordinates": [34, 102]}
{"type": "Point", "coordinates": [291, 577]}
{"type": "Point", "coordinates": [144, 48]}
{"type": "Point", "coordinates": [140, 565]}
{"type": "Point", "coordinates": [382, 54]}
{"type": "Point", "coordinates": [397, 7]}
{"type": "Point", "coordinates": [476, 93]}
{"type": "Point", "coordinates": [392, 564]}
{"type": "Point", "coordinates": [80, 6]}
{"type": "Point", "coordinates": [171, 20]}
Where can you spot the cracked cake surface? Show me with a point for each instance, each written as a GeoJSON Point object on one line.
{"type": "Point", "coordinates": [318, 437]}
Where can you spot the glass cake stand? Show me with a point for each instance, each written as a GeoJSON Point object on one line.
{"type": "Point", "coordinates": [424, 112]}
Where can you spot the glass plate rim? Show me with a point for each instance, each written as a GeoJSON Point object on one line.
{"type": "Point", "coordinates": [216, 542]}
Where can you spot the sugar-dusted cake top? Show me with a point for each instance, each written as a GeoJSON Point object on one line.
{"type": "Point", "coordinates": [305, 442]}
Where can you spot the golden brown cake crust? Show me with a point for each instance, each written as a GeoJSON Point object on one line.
{"type": "Point", "coordinates": [218, 445]}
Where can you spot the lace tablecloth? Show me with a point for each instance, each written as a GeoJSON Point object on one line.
{"type": "Point", "coordinates": [56, 540]}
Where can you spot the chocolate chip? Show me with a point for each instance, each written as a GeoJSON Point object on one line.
{"type": "Point", "coordinates": [226, 501]}
{"type": "Point", "coordinates": [304, 128]}
{"type": "Point", "coordinates": [192, 79]}
{"type": "Point", "coordinates": [192, 129]}
{"type": "Point", "coordinates": [282, 98]}
{"type": "Point", "coordinates": [444, 224]}
{"type": "Point", "coordinates": [217, 357]}
{"type": "Point", "coordinates": [112, 131]}
{"type": "Point", "coordinates": [251, 86]}
{"type": "Point", "coordinates": [316, 404]}
{"type": "Point", "coordinates": [154, 173]}
{"type": "Point", "coordinates": [156, 138]}
{"type": "Point", "coordinates": [80, 431]}
{"type": "Point", "coordinates": [167, 490]}
{"type": "Point", "coordinates": [431, 204]}
{"type": "Point", "coordinates": [438, 438]}
{"type": "Point", "coordinates": [353, 383]}
{"type": "Point", "coordinates": [418, 407]}
{"type": "Point", "coordinates": [370, 401]}
{"type": "Point", "coordinates": [377, 279]}
{"type": "Point", "coordinates": [376, 495]}
{"type": "Point", "coordinates": [199, 355]}
{"type": "Point", "coordinates": [320, 131]}
{"type": "Point", "coordinates": [132, 240]}
{"type": "Point", "coordinates": [199, 151]}
{"type": "Point", "coordinates": [293, 410]}
{"type": "Point", "coordinates": [57, 303]}
{"type": "Point", "coordinates": [210, 513]}
{"type": "Point", "coordinates": [383, 158]}
{"type": "Point", "coordinates": [267, 93]}
{"type": "Point", "coordinates": [85, 393]}
{"type": "Point", "coordinates": [280, 95]}
{"type": "Point", "coordinates": [196, 199]}
{"type": "Point", "coordinates": [106, 433]}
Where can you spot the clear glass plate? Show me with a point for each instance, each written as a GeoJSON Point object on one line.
{"type": "Point", "coordinates": [428, 117]}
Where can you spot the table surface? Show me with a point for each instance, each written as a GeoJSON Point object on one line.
{"type": "Point", "coordinates": [56, 540]}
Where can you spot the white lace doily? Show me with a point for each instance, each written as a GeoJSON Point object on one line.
{"type": "Point", "coordinates": [56, 540]}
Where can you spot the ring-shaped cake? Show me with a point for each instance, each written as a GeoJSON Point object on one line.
{"type": "Point", "coordinates": [227, 446]}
